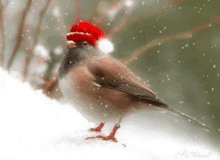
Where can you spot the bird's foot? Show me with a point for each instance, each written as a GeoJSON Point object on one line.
{"type": "Point", "coordinates": [97, 129]}
{"type": "Point", "coordinates": [106, 138]}
{"type": "Point", "coordinates": [111, 136]}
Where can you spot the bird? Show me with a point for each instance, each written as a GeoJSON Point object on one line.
{"type": "Point", "coordinates": [101, 87]}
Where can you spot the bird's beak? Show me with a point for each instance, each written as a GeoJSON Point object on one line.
{"type": "Point", "coordinates": [71, 44]}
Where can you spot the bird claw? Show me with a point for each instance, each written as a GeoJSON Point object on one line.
{"type": "Point", "coordinates": [105, 138]}
{"type": "Point", "coordinates": [110, 137]}
{"type": "Point", "coordinates": [94, 130]}
{"type": "Point", "coordinates": [97, 129]}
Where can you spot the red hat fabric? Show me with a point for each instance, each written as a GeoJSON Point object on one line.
{"type": "Point", "coordinates": [84, 31]}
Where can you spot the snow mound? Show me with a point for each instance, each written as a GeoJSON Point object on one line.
{"type": "Point", "coordinates": [36, 127]}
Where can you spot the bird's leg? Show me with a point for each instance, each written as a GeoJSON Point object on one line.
{"type": "Point", "coordinates": [98, 129]}
{"type": "Point", "coordinates": [111, 136]}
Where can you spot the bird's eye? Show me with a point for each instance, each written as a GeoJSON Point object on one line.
{"type": "Point", "coordinates": [85, 43]}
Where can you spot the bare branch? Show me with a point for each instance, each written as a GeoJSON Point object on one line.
{"type": "Point", "coordinates": [38, 30]}
{"type": "Point", "coordinates": [2, 32]}
{"type": "Point", "coordinates": [215, 19]}
{"type": "Point", "coordinates": [19, 34]}
{"type": "Point", "coordinates": [17, 13]}
{"type": "Point", "coordinates": [49, 87]}
{"type": "Point", "coordinates": [51, 79]}
{"type": "Point", "coordinates": [117, 6]}
{"type": "Point", "coordinates": [122, 22]}
{"type": "Point", "coordinates": [172, 37]}
{"type": "Point", "coordinates": [77, 9]}
{"type": "Point", "coordinates": [6, 4]}
{"type": "Point", "coordinates": [127, 22]}
{"type": "Point", "coordinates": [60, 22]}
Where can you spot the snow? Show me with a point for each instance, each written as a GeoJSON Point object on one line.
{"type": "Point", "coordinates": [56, 11]}
{"type": "Point", "coordinates": [58, 50]}
{"type": "Point", "coordinates": [36, 127]}
{"type": "Point", "coordinates": [41, 51]}
{"type": "Point", "coordinates": [128, 3]}
{"type": "Point", "coordinates": [112, 13]}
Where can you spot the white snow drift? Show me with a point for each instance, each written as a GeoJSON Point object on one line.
{"type": "Point", "coordinates": [33, 126]}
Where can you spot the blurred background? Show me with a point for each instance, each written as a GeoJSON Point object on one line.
{"type": "Point", "coordinates": [172, 44]}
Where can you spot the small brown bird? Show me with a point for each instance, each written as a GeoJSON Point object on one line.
{"type": "Point", "coordinates": [101, 87]}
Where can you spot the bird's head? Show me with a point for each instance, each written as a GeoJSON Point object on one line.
{"type": "Point", "coordinates": [85, 35]}
{"type": "Point", "coordinates": [85, 41]}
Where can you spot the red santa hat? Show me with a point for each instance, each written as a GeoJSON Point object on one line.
{"type": "Point", "coordinates": [84, 31]}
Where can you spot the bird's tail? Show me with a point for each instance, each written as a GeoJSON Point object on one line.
{"type": "Point", "coordinates": [190, 119]}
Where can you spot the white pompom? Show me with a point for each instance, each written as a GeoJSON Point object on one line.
{"type": "Point", "coordinates": [105, 45]}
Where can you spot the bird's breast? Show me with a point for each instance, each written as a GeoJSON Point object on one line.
{"type": "Point", "coordinates": [91, 99]}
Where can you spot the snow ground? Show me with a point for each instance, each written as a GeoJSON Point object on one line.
{"type": "Point", "coordinates": [33, 126]}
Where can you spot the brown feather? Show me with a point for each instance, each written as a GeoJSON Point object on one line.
{"type": "Point", "coordinates": [111, 73]}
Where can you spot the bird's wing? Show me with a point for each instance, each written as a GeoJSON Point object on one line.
{"type": "Point", "coordinates": [111, 73]}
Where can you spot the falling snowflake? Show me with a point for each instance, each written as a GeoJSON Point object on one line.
{"type": "Point", "coordinates": [58, 50]}
{"type": "Point", "coordinates": [128, 3]}
{"type": "Point", "coordinates": [56, 11]}
{"type": "Point", "coordinates": [41, 51]}
{"type": "Point", "coordinates": [112, 13]}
